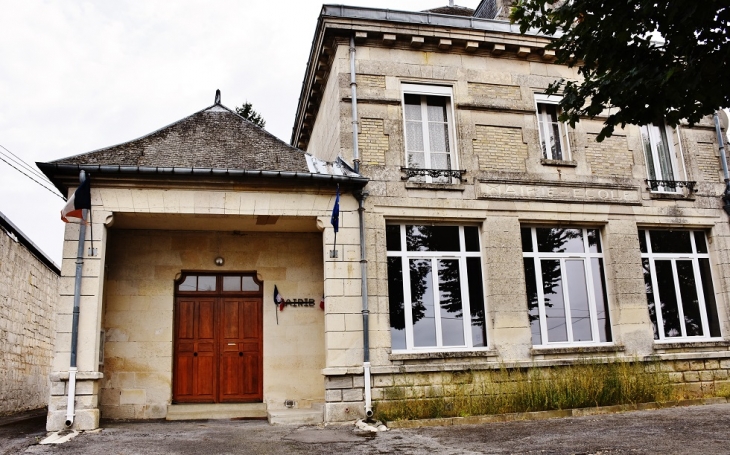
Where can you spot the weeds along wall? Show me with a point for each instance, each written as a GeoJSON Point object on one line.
{"type": "Point", "coordinates": [585, 383]}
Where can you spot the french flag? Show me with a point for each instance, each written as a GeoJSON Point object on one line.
{"type": "Point", "coordinates": [278, 299]}
{"type": "Point", "coordinates": [80, 200]}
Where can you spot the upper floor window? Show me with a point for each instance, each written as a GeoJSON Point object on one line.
{"type": "Point", "coordinates": [553, 134]}
{"type": "Point", "coordinates": [678, 281]}
{"type": "Point", "coordinates": [435, 291]}
{"type": "Point", "coordinates": [566, 288]}
{"type": "Point", "coordinates": [429, 137]}
{"type": "Point", "coordinates": [659, 154]}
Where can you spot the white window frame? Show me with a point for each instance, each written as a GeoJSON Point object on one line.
{"type": "Point", "coordinates": [674, 257]}
{"type": "Point", "coordinates": [654, 140]}
{"type": "Point", "coordinates": [586, 256]}
{"type": "Point", "coordinates": [541, 98]}
{"type": "Point", "coordinates": [430, 90]}
{"type": "Point", "coordinates": [464, 287]}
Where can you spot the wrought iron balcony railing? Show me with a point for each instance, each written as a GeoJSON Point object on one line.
{"type": "Point", "coordinates": [654, 185]}
{"type": "Point", "coordinates": [411, 172]}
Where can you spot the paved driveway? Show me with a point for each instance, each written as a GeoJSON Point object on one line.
{"type": "Point", "coordinates": [686, 430]}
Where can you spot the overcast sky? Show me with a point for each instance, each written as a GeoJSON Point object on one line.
{"type": "Point", "coordinates": [76, 76]}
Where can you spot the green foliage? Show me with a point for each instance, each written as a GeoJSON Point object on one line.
{"type": "Point", "coordinates": [246, 111]}
{"type": "Point", "coordinates": [642, 60]}
{"type": "Point", "coordinates": [582, 385]}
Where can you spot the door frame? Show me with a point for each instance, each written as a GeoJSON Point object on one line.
{"type": "Point", "coordinates": [218, 295]}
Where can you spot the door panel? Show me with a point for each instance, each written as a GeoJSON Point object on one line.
{"type": "Point", "coordinates": [240, 347]}
{"type": "Point", "coordinates": [195, 370]}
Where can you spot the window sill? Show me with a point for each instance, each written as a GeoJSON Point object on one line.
{"type": "Point", "coordinates": [441, 355]}
{"type": "Point", "coordinates": [664, 345]}
{"type": "Point", "coordinates": [670, 196]}
{"type": "Point", "coordinates": [576, 350]}
{"type": "Point", "coordinates": [434, 186]}
{"type": "Point", "coordinates": [564, 163]}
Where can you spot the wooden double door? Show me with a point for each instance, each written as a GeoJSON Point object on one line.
{"type": "Point", "coordinates": [218, 343]}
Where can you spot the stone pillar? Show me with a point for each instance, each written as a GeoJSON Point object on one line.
{"type": "Point", "coordinates": [92, 286]}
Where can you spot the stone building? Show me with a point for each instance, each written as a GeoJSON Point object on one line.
{"type": "Point", "coordinates": [525, 242]}
{"type": "Point", "coordinates": [28, 289]}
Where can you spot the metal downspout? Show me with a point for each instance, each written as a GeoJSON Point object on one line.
{"type": "Point", "coordinates": [353, 87]}
{"type": "Point", "coordinates": [70, 406]}
{"type": "Point", "coordinates": [723, 158]}
{"type": "Point", "coordinates": [361, 195]}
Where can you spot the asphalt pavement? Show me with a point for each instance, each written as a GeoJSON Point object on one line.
{"type": "Point", "coordinates": [683, 430]}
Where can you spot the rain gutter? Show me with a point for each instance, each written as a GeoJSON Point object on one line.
{"type": "Point", "coordinates": [723, 158]}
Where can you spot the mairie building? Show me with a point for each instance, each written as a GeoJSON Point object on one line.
{"type": "Point", "coordinates": [476, 232]}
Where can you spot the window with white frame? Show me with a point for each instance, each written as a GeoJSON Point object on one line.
{"type": "Point", "coordinates": [566, 288]}
{"type": "Point", "coordinates": [435, 287]}
{"type": "Point", "coordinates": [553, 133]}
{"type": "Point", "coordinates": [429, 137]}
{"type": "Point", "coordinates": [659, 156]}
{"type": "Point", "coordinates": [678, 281]}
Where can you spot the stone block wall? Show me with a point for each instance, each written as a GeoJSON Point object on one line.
{"type": "Point", "coordinates": [500, 149]}
{"type": "Point", "coordinates": [372, 141]}
{"type": "Point", "coordinates": [611, 157]}
{"type": "Point", "coordinates": [28, 297]}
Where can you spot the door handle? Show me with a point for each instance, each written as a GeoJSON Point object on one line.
{"type": "Point", "coordinates": [240, 354]}
{"type": "Point", "coordinates": [195, 354]}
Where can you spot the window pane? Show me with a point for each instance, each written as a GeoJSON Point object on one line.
{"type": "Point", "coordinates": [471, 238]}
{"type": "Point", "coordinates": [526, 234]}
{"type": "Point", "coordinates": [436, 107]}
{"type": "Point", "coordinates": [648, 154]}
{"type": "Point", "coordinates": [440, 161]}
{"type": "Point", "coordinates": [414, 136]}
{"type": "Point", "coordinates": [650, 296]}
{"type": "Point", "coordinates": [392, 237]}
{"type": "Point", "coordinates": [668, 298]}
{"type": "Point", "coordinates": [690, 301]}
{"type": "Point", "coordinates": [559, 240]}
{"type": "Point", "coordinates": [700, 242]}
{"type": "Point", "coordinates": [580, 313]}
{"type": "Point", "coordinates": [396, 304]}
{"type": "Point", "coordinates": [557, 147]}
{"type": "Point", "coordinates": [670, 242]}
{"type": "Point", "coordinates": [413, 107]}
{"type": "Point", "coordinates": [190, 284]}
{"type": "Point", "coordinates": [206, 283]}
{"type": "Point", "coordinates": [424, 322]}
{"type": "Point", "coordinates": [416, 160]}
{"type": "Point", "coordinates": [599, 285]}
{"type": "Point", "coordinates": [709, 294]}
{"type": "Point", "coordinates": [232, 283]}
{"type": "Point", "coordinates": [642, 241]}
{"type": "Point", "coordinates": [249, 284]}
{"type": "Point", "coordinates": [662, 146]}
{"type": "Point", "coordinates": [452, 311]}
{"type": "Point", "coordinates": [594, 241]}
{"type": "Point", "coordinates": [476, 302]}
{"type": "Point", "coordinates": [438, 138]}
{"type": "Point", "coordinates": [432, 238]}
{"type": "Point", "coordinates": [532, 302]}
{"type": "Point", "coordinates": [554, 303]}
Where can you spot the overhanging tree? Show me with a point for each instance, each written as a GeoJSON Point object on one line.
{"type": "Point", "coordinates": [641, 61]}
{"type": "Point", "coordinates": [246, 111]}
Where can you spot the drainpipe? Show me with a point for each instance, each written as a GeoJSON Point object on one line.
{"type": "Point", "coordinates": [70, 411]}
{"type": "Point", "coordinates": [723, 158]}
{"type": "Point", "coordinates": [353, 86]}
{"type": "Point", "coordinates": [361, 195]}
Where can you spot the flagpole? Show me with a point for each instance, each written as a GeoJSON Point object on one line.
{"type": "Point", "coordinates": [70, 412]}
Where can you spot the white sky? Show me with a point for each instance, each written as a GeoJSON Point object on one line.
{"type": "Point", "coordinates": [76, 76]}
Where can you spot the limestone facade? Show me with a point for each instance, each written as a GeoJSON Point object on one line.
{"type": "Point", "coordinates": [28, 296]}
{"type": "Point", "coordinates": [507, 184]}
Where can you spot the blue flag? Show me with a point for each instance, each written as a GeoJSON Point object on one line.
{"type": "Point", "coordinates": [335, 220]}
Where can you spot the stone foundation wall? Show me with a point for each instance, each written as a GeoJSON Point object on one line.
{"type": "Point", "coordinates": [28, 296]}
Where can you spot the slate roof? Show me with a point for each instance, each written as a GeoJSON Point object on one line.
{"type": "Point", "coordinates": [214, 138]}
{"type": "Point", "coordinates": [452, 10]}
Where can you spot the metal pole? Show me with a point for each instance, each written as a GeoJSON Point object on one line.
{"type": "Point", "coordinates": [75, 323]}
{"type": "Point", "coordinates": [353, 86]}
{"type": "Point", "coordinates": [361, 195]}
{"type": "Point", "coordinates": [723, 158]}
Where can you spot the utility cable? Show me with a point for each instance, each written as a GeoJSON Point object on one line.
{"type": "Point", "coordinates": [21, 162]}
{"type": "Point", "coordinates": [36, 181]}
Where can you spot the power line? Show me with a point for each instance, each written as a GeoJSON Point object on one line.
{"type": "Point", "coordinates": [36, 181]}
{"type": "Point", "coordinates": [20, 161]}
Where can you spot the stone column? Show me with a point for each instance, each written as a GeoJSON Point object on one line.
{"type": "Point", "coordinates": [90, 311]}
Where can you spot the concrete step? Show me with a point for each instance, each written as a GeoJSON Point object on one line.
{"type": "Point", "coordinates": [292, 416]}
{"type": "Point", "coordinates": [195, 411]}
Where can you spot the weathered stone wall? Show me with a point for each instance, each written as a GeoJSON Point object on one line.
{"type": "Point", "coordinates": [611, 157]}
{"type": "Point", "coordinates": [500, 149]}
{"type": "Point", "coordinates": [373, 141]}
{"type": "Point", "coordinates": [28, 296]}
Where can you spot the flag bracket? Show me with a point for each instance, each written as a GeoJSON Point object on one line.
{"type": "Point", "coordinates": [333, 254]}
